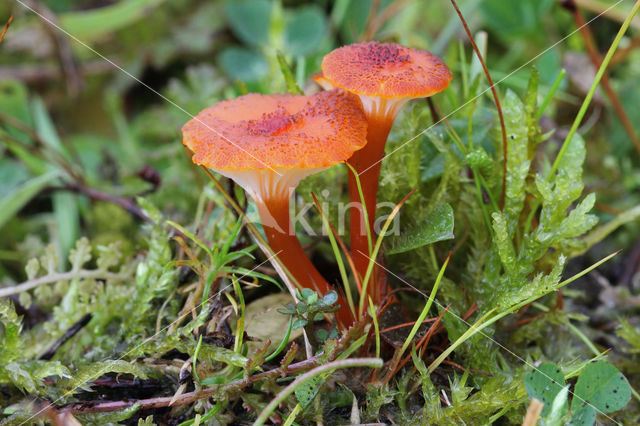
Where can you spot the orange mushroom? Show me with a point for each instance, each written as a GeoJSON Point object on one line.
{"type": "Point", "coordinates": [385, 76]}
{"type": "Point", "coordinates": [268, 144]}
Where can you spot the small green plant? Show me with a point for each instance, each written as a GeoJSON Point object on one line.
{"type": "Point", "coordinates": [310, 307]}
{"type": "Point", "coordinates": [600, 389]}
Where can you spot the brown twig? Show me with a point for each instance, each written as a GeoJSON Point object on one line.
{"type": "Point", "coordinates": [399, 363]}
{"type": "Point", "coordinates": [129, 204]}
{"type": "Point", "coordinates": [615, 14]}
{"type": "Point", "coordinates": [434, 112]}
{"type": "Point", "coordinates": [126, 203]}
{"type": "Point", "coordinates": [596, 59]}
{"type": "Point", "coordinates": [368, 29]}
{"type": "Point", "coordinates": [221, 391]}
{"type": "Point", "coordinates": [71, 331]}
{"type": "Point", "coordinates": [406, 324]}
{"type": "Point", "coordinates": [18, 124]}
{"type": "Point", "coordinates": [622, 53]}
{"type": "Point", "coordinates": [6, 28]}
{"type": "Point", "coordinates": [495, 98]}
{"type": "Point", "coordinates": [189, 397]}
{"type": "Point", "coordinates": [435, 328]}
{"type": "Point", "coordinates": [40, 147]}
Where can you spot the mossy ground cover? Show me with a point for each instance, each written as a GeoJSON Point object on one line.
{"type": "Point", "coordinates": [135, 288]}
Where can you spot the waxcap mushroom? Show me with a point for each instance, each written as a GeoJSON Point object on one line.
{"type": "Point", "coordinates": [267, 144]}
{"type": "Point", "coordinates": [289, 138]}
{"type": "Point", "coordinates": [385, 76]}
{"type": "Point", "coordinates": [384, 70]}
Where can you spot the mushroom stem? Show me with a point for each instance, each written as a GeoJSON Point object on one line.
{"type": "Point", "coordinates": [367, 163]}
{"type": "Point", "coordinates": [274, 215]}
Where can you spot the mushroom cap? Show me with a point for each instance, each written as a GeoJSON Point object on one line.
{"type": "Point", "coordinates": [386, 70]}
{"type": "Point", "coordinates": [277, 132]}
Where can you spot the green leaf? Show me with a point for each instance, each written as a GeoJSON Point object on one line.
{"type": "Point", "coordinates": [330, 298]}
{"type": "Point", "coordinates": [149, 209]}
{"type": "Point", "coordinates": [10, 341]}
{"type": "Point", "coordinates": [437, 226]}
{"type": "Point", "coordinates": [354, 18]}
{"type": "Point", "coordinates": [289, 309]}
{"type": "Point", "coordinates": [65, 212]}
{"type": "Point", "coordinates": [20, 196]}
{"type": "Point", "coordinates": [14, 101]}
{"type": "Point", "coordinates": [558, 408]}
{"type": "Point", "coordinates": [192, 237]}
{"type": "Point", "coordinates": [322, 334]}
{"type": "Point", "coordinates": [601, 385]}
{"type": "Point", "coordinates": [545, 383]}
{"type": "Point", "coordinates": [20, 377]}
{"type": "Point", "coordinates": [631, 335]}
{"type": "Point", "coordinates": [90, 25]}
{"type": "Point", "coordinates": [478, 157]}
{"type": "Point", "coordinates": [109, 418]}
{"type": "Point", "coordinates": [518, 164]}
{"type": "Point", "coordinates": [307, 391]}
{"type": "Point", "coordinates": [299, 323]}
{"type": "Point", "coordinates": [65, 208]}
{"type": "Point", "coordinates": [515, 18]}
{"type": "Point", "coordinates": [12, 174]}
{"type": "Point", "coordinates": [306, 293]}
{"type": "Point", "coordinates": [249, 20]}
{"type": "Point", "coordinates": [45, 127]}
{"type": "Point", "coordinates": [243, 64]}
{"type": "Point", "coordinates": [214, 353]}
{"type": "Point", "coordinates": [302, 307]}
{"type": "Point", "coordinates": [585, 416]}
{"type": "Point", "coordinates": [83, 378]}
{"type": "Point", "coordinates": [504, 244]}
{"type": "Point", "coordinates": [214, 380]}
{"type": "Point", "coordinates": [305, 29]}
{"type": "Point", "coordinates": [292, 86]}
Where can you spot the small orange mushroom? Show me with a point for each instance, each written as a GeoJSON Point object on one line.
{"type": "Point", "coordinates": [385, 76]}
{"type": "Point", "coordinates": [268, 144]}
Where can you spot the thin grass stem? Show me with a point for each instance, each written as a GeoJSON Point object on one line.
{"type": "Point", "coordinates": [587, 100]}
{"type": "Point", "coordinates": [376, 249]}
{"type": "Point", "coordinates": [550, 93]}
{"type": "Point", "coordinates": [376, 327]}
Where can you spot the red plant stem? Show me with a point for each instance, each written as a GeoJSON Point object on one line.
{"type": "Point", "coordinates": [274, 214]}
{"type": "Point", "coordinates": [406, 324]}
{"type": "Point", "coordinates": [367, 163]}
{"type": "Point", "coordinates": [495, 98]}
{"type": "Point", "coordinates": [6, 28]}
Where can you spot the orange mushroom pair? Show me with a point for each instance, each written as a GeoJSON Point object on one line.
{"type": "Point", "coordinates": [268, 144]}
{"type": "Point", "coordinates": [385, 76]}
